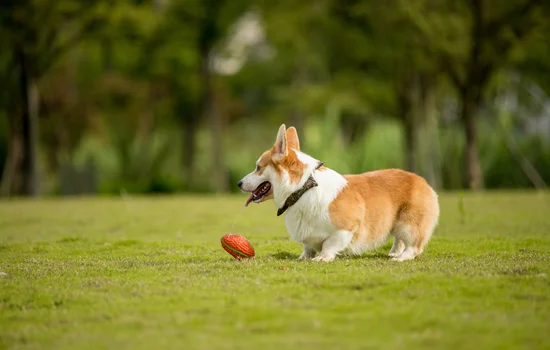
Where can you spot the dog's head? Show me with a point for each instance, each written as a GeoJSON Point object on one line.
{"type": "Point", "coordinates": [280, 170]}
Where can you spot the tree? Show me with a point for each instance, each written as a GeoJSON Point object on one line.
{"type": "Point", "coordinates": [487, 31]}
{"type": "Point", "coordinates": [38, 33]}
{"type": "Point", "coordinates": [390, 50]}
{"type": "Point", "coordinates": [300, 35]}
{"type": "Point", "coordinates": [208, 23]}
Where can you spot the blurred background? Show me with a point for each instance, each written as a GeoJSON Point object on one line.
{"type": "Point", "coordinates": [162, 96]}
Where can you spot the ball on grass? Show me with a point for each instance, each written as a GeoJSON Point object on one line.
{"type": "Point", "coordinates": [238, 246]}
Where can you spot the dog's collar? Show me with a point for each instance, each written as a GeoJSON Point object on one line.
{"type": "Point", "coordinates": [296, 195]}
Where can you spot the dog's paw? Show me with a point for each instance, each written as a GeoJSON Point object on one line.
{"type": "Point", "coordinates": [408, 254]}
{"type": "Point", "coordinates": [307, 254]}
{"type": "Point", "coordinates": [323, 258]}
{"type": "Point", "coordinates": [401, 258]}
{"type": "Point", "coordinates": [304, 256]}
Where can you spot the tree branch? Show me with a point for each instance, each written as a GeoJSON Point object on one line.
{"type": "Point", "coordinates": [521, 25]}
{"type": "Point", "coordinates": [513, 16]}
{"type": "Point", "coordinates": [49, 57]}
{"type": "Point", "coordinates": [452, 72]}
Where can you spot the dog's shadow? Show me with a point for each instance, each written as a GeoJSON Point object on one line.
{"type": "Point", "coordinates": [285, 256]}
{"type": "Point", "coordinates": [372, 255]}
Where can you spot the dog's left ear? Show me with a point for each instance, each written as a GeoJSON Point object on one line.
{"type": "Point", "coordinates": [292, 138]}
{"type": "Point", "coordinates": [280, 148]}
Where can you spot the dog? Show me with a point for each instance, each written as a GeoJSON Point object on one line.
{"type": "Point", "coordinates": [332, 214]}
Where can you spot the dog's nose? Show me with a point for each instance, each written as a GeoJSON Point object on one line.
{"type": "Point", "coordinates": [240, 184]}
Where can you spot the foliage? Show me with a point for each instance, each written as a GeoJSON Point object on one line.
{"type": "Point", "coordinates": [171, 93]}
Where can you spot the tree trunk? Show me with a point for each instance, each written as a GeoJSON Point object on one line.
{"type": "Point", "coordinates": [405, 97]}
{"type": "Point", "coordinates": [471, 93]}
{"type": "Point", "coordinates": [29, 134]}
{"type": "Point", "coordinates": [188, 151]}
{"type": "Point", "coordinates": [220, 172]}
{"type": "Point", "coordinates": [212, 113]}
{"type": "Point", "coordinates": [13, 161]}
{"type": "Point", "coordinates": [410, 144]}
{"type": "Point", "coordinates": [430, 147]}
{"type": "Point", "coordinates": [297, 117]}
{"type": "Point", "coordinates": [470, 107]}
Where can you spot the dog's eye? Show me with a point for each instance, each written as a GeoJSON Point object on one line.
{"type": "Point", "coordinates": [258, 168]}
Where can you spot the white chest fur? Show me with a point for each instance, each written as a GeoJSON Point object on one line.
{"type": "Point", "coordinates": [308, 220]}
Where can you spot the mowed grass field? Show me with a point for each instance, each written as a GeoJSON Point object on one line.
{"type": "Point", "coordinates": [150, 273]}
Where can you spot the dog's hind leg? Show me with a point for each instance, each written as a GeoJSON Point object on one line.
{"type": "Point", "coordinates": [334, 244]}
{"type": "Point", "coordinates": [404, 234]}
{"type": "Point", "coordinates": [416, 227]}
{"type": "Point", "coordinates": [398, 246]}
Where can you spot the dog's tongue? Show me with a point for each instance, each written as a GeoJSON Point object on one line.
{"type": "Point", "coordinates": [249, 200]}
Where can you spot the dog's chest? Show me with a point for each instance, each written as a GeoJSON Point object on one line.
{"type": "Point", "coordinates": [308, 223]}
{"type": "Point", "coordinates": [308, 220]}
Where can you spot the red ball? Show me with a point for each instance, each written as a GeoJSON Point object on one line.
{"type": "Point", "coordinates": [238, 246]}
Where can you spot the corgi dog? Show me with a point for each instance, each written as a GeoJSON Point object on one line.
{"type": "Point", "coordinates": [332, 214]}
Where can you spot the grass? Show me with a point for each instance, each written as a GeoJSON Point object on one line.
{"type": "Point", "coordinates": [147, 273]}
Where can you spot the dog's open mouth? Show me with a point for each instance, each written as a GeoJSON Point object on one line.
{"type": "Point", "coordinates": [258, 195]}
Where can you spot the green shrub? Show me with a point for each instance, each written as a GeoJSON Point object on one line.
{"type": "Point", "coordinates": [154, 166]}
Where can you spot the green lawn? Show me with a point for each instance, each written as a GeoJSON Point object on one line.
{"type": "Point", "coordinates": [150, 273]}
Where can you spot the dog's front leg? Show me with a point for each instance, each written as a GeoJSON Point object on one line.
{"type": "Point", "coordinates": [333, 245]}
{"type": "Point", "coordinates": [308, 252]}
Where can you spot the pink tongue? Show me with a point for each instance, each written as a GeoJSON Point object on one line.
{"type": "Point", "coordinates": [249, 200]}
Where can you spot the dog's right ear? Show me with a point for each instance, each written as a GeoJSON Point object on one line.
{"type": "Point", "coordinates": [280, 148]}
{"type": "Point", "coordinates": [292, 138]}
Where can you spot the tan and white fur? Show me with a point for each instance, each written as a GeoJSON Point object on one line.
{"type": "Point", "coordinates": [344, 214]}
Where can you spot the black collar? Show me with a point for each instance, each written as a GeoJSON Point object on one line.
{"type": "Point", "coordinates": [295, 196]}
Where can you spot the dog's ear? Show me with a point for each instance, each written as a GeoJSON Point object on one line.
{"type": "Point", "coordinates": [280, 148]}
{"type": "Point", "coordinates": [292, 138]}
